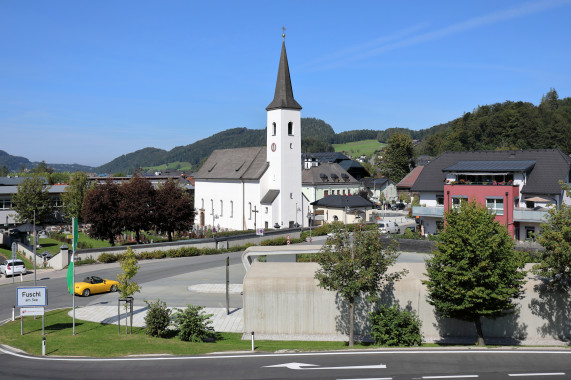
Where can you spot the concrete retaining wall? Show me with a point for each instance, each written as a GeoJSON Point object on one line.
{"type": "Point", "coordinates": [283, 301]}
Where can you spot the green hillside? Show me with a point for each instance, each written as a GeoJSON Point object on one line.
{"type": "Point", "coordinates": [358, 148]}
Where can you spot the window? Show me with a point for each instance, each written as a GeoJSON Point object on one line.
{"type": "Point", "coordinates": [231, 209]}
{"type": "Point", "coordinates": [221, 207]}
{"type": "Point", "coordinates": [274, 129]}
{"type": "Point", "coordinates": [5, 204]}
{"type": "Point", "coordinates": [529, 233]}
{"type": "Point", "coordinates": [212, 206]}
{"type": "Point", "coordinates": [290, 128]}
{"type": "Point", "coordinates": [457, 200]}
{"type": "Point", "coordinates": [440, 200]}
{"type": "Point", "coordinates": [496, 205]}
{"type": "Point", "coordinates": [266, 210]}
{"type": "Point", "coordinates": [250, 210]}
{"type": "Point", "coordinates": [325, 193]}
{"type": "Point", "coordinates": [290, 195]}
{"type": "Point", "coordinates": [202, 206]}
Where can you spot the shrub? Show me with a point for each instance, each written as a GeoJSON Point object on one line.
{"type": "Point", "coordinates": [276, 241]}
{"type": "Point", "coordinates": [193, 325]}
{"type": "Point", "coordinates": [158, 318]}
{"type": "Point", "coordinates": [87, 260]}
{"type": "Point", "coordinates": [394, 327]}
{"type": "Point", "coordinates": [107, 258]}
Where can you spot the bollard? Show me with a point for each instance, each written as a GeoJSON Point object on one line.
{"type": "Point", "coordinates": [13, 313]}
{"type": "Point", "coordinates": [44, 346]}
{"type": "Point", "coordinates": [253, 345]}
{"type": "Point", "coordinates": [21, 277]}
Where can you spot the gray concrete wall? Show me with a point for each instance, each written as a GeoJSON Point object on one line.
{"type": "Point", "coordinates": [283, 301]}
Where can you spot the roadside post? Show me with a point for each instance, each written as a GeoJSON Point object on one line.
{"type": "Point", "coordinates": [14, 257]}
{"type": "Point", "coordinates": [228, 285]}
{"type": "Point", "coordinates": [44, 346]}
{"type": "Point", "coordinates": [253, 342]}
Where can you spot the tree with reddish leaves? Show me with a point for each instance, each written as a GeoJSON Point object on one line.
{"type": "Point", "coordinates": [174, 211]}
{"type": "Point", "coordinates": [137, 206]}
{"type": "Point", "coordinates": [101, 210]}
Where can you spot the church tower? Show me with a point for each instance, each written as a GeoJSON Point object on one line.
{"type": "Point", "coordinates": [284, 149]}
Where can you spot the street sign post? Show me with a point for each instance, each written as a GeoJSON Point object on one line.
{"type": "Point", "coordinates": [31, 301]}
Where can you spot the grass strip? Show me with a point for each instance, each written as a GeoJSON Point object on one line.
{"type": "Point", "coordinates": [103, 340]}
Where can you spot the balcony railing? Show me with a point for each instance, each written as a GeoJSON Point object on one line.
{"type": "Point", "coordinates": [529, 215]}
{"type": "Point", "coordinates": [433, 211]}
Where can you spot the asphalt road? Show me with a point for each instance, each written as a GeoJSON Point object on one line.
{"type": "Point", "coordinates": [405, 364]}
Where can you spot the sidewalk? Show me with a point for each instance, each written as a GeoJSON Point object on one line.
{"type": "Point", "coordinates": [222, 322]}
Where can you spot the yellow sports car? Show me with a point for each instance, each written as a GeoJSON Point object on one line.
{"type": "Point", "coordinates": [93, 285]}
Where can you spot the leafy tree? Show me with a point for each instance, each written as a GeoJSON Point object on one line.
{"type": "Point", "coordinates": [137, 205]}
{"type": "Point", "coordinates": [475, 271]}
{"type": "Point", "coordinates": [555, 237]}
{"type": "Point", "coordinates": [353, 264]}
{"type": "Point", "coordinates": [42, 169]}
{"type": "Point", "coordinates": [74, 195]}
{"type": "Point", "coordinates": [4, 171]}
{"type": "Point", "coordinates": [399, 157]}
{"type": "Point", "coordinates": [101, 209]}
{"type": "Point", "coordinates": [174, 209]}
{"type": "Point", "coordinates": [193, 324]}
{"type": "Point", "coordinates": [33, 201]}
{"type": "Point", "coordinates": [127, 287]}
{"type": "Point", "coordinates": [58, 177]}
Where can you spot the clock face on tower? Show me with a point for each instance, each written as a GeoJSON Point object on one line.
{"type": "Point", "coordinates": [274, 146]}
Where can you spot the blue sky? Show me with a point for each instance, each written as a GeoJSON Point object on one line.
{"type": "Point", "coordinates": [87, 81]}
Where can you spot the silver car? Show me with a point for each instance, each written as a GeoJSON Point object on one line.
{"type": "Point", "coordinates": [12, 267]}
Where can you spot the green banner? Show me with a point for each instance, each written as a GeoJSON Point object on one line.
{"type": "Point", "coordinates": [75, 234]}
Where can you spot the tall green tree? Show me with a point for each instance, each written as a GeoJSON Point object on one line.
{"type": "Point", "coordinates": [555, 237]}
{"type": "Point", "coordinates": [32, 201]}
{"type": "Point", "coordinates": [354, 264]}
{"type": "Point", "coordinates": [101, 210]}
{"type": "Point", "coordinates": [174, 209]}
{"type": "Point", "coordinates": [74, 195]}
{"type": "Point", "coordinates": [399, 157]}
{"type": "Point", "coordinates": [475, 271]}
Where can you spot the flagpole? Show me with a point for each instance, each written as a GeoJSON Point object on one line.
{"type": "Point", "coordinates": [74, 232]}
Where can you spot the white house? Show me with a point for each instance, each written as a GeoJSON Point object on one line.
{"type": "Point", "coordinates": [257, 187]}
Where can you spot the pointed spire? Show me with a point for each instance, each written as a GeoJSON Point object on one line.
{"type": "Point", "coordinates": [283, 96]}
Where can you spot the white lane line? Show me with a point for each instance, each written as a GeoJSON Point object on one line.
{"type": "Point", "coordinates": [449, 377]}
{"type": "Point", "coordinates": [370, 378]}
{"type": "Point", "coordinates": [538, 374]}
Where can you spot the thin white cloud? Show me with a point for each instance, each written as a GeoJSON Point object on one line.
{"type": "Point", "coordinates": [474, 23]}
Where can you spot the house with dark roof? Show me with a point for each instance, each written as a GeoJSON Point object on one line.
{"type": "Point", "coordinates": [354, 168]}
{"type": "Point", "coordinates": [405, 184]}
{"type": "Point", "coordinates": [257, 187]}
{"type": "Point", "coordinates": [519, 186]}
{"type": "Point", "coordinates": [342, 208]}
{"type": "Point", "coordinates": [327, 179]}
{"type": "Point", "coordinates": [380, 190]}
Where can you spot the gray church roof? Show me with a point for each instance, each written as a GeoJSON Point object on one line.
{"type": "Point", "coordinates": [551, 165]}
{"type": "Point", "coordinates": [270, 197]}
{"type": "Point", "coordinates": [283, 97]}
{"type": "Point", "coordinates": [235, 164]}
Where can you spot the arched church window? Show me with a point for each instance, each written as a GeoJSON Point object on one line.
{"type": "Point", "coordinates": [202, 204]}
{"type": "Point", "coordinates": [250, 210]}
{"type": "Point", "coordinates": [221, 207]}
{"type": "Point", "coordinates": [231, 209]}
{"type": "Point", "coordinates": [274, 128]}
{"type": "Point", "coordinates": [290, 128]}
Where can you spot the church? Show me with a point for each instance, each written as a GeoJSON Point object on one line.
{"type": "Point", "coordinates": [258, 187]}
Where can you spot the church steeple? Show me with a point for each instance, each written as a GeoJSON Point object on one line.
{"type": "Point", "coordinates": [283, 96]}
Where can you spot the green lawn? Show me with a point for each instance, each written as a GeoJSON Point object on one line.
{"type": "Point", "coordinates": [357, 148]}
{"type": "Point", "coordinates": [99, 340]}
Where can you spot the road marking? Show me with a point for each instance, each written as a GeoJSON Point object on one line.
{"type": "Point", "coordinates": [449, 377]}
{"type": "Point", "coordinates": [315, 366]}
{"type": "Point", "coordinates": [370, 378]}
{"type": "Point", "coordinates": [538, 374]}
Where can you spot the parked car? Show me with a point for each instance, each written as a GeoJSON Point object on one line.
{"type": "Point", "coordinates": [398, 206]}
{"type": "Point", "coordinates": [93, 284]}
{"type": "Point", "coordinates": [388, 227]}
{"type": "Point", "coordinates": [12, 267]}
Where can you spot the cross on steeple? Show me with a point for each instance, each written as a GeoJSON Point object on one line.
{"type": "Point", "coordinates": [283, 31]}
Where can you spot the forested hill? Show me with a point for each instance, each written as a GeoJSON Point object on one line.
{"type": "Point", "coordinates": [508, 125]}
{"type": "Point", "coordinates": [316, 135]}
